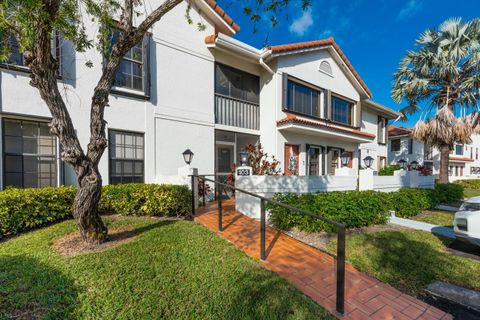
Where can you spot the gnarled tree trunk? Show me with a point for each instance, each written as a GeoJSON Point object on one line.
{"type": "Point", "coordinates": [444, 161]}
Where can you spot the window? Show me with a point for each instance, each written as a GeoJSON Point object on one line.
{"type": "Point", "coordinates": [428, 152]}
{"type": "Point", "coordinates": [30, 154]}
{"type": "Point", "coordinates": [303, 99]}
{"type": "Point", "coordinates": [133, 72]}
{"type": "Point", "coordinates": [381, 130]}
{"type": "Point", "coordinates": [126, 157]}
{"type": "Point", "coordinates": [341, 110]}
{"type": "Point", "coordinates": [237, 84]}
{"type": "Point", "coordinates": [395, 145]}
{"type": "Point", "coordinates": [410, 146]}
{"type": "Point", "coordinates": [459, 150]}
{"type": "Point", "coordinates": [314, 161]}
{"type": "Point", "coordinates": [15, 58]}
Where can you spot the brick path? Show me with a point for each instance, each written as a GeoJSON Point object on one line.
{"type": "Point", "coordinates": [313, 271]}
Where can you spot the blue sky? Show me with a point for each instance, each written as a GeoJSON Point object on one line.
{"type": "Point", "coordinates": [374, 34]}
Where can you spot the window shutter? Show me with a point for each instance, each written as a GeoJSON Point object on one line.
{"type": "Point", "coordinates": [146, 64]}
{"type": "Point", "coordinates": [284, 91]}
{"type": "Point", "coordinates": [358, 114]}
{"type": "Point", "coordinates": [328, 104]}
{"type": "Point", "coordinates": [57, 51]}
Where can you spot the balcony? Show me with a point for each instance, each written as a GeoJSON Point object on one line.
{"type": "Point", "coordinates": [236, 113]}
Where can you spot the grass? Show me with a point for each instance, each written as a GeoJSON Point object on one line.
{"type": "Point", "coordinates": [468, 193]}
{"type": "Point", "coordinates": [438, 217]}
{"type": "Point", "coordinates": [172, 270]}
{"type": "Point", "coordinates": [409, 260]}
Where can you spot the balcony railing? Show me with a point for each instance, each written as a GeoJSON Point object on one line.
{"type": "Point", "coordinates": [236, 113]}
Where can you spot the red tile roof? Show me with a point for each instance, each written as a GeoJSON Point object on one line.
{"type": "Point", "coordinates": [397, 131]}
{"type": "Point", "coordinates": [321, 43]}
{"type": "Point", "coordinates": [290, 118]}
{"type": "Point", "coordinates": [460, 159]}
{"type": "Point", "coordinates": [210, 39]}
{"type": "Point", "coordinates": [223, 14]}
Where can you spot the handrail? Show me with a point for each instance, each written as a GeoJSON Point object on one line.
{"type": "Point", "coordinates": [341, 229]}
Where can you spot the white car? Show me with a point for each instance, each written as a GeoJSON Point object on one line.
{"type": "Point", "coordinates": [467, 221]}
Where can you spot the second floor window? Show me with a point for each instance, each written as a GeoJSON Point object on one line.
{"type": "Point", "coordinates": [133, 72]}
{"type": "Point", "coordinates": [237, 84]}
{"type": "Point", "coordinates": [395, 145]}
{"type": "Point", "coordinates": [341, 110]}
{"type": "Point", "coordinates": [303, 99]}
{"type": "Point", "coordinates": [382, 130]}
{"type": "Point", "coordinates": [410, 146]}
{"type": "Point", "coordinates": [459, 150]}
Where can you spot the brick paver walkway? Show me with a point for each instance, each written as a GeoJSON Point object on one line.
{"type": "Point", "coordinates": [313, 271]}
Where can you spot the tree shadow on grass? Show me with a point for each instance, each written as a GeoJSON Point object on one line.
{"type": "Point", "coordinates": [30, 289]}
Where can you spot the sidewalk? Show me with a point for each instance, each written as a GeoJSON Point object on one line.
{"type": "Point", "coordinates": [313, 272]}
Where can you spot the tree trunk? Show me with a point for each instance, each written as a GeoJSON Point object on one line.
{"type": "Point", "coordinates": [85, 208]}
{"type": "Point", "coordinates": [444, 162]}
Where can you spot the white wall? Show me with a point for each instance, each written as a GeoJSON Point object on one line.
{"type": "Point", "coordinates": [373, 149]}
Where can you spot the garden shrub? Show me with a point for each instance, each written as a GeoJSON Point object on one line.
{"type": "Point", "coordinates": [449, 192]}
{"type": "Point", "coordinates": [388, 170]}
{"type": "Point", "coordinates": [358, 208]}
{"type": "Point", "coordinates": [146, 199]}
{"type": "Point", "coordinates": [24, 209]}
{"type": "Point", "coordinates": [469, 184]}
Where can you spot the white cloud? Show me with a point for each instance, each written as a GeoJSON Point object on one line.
{"type": "Point", "coordinates": [411, 8]}
{"type": "Point", "coordinates": [301, 25]}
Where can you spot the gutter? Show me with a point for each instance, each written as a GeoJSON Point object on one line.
{"type": "Point", "coordinates": [264, 64]}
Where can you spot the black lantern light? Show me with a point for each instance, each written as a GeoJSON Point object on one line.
{"type": "Point", "coordinates": [368, 161]}
{"type": "Point", "coordinates": [187, 156]}
{"type": "Point", "coordinates": [244, 157]}
{"type": "Point", "coordinates": [402, 163]}
{"type": "Point", "coordinates": [414, 165]}
{"type": "Point", "coordinates": [344, 158]}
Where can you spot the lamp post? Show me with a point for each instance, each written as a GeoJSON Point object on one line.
{"type": "Point", "coordinates": [244, 157]}
{"type": "Point", "coordinates": [402, 163]}
{"type": "Point", "coordinates": [187, 156]}
{"type": "Point", "coordinates": [368, 161]}
{"type": "Point", "coordinates": [344, 158]}
{"type": "Point", "coordinates": [414, 165]}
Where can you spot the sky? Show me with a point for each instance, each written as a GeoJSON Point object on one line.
{"type": "Point", "coordinates": [373, 34]}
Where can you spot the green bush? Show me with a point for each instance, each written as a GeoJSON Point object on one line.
{"type": "Point", "coordinates": [146, 199]}
{"type": "Point", "coordinates": [388, 170]}
{"type": "Point", "coordinates": [358, 208]}
{"type": "Point", "coordinates": [469, 184]}
{"type": "Point", "coordinates": [24, 209]}
{"type": "Point", "coordinates": [355, 209]}
{"type": "Point", "coordinates": [449, 192]}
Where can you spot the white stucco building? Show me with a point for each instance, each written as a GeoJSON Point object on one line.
{"type": "Point", "coordinates": [464, 159]}
{"type": "Point", "coordinates": [203, 90]}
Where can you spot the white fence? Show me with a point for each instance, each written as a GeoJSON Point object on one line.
{"type": "Point", "coordinates": [267, 186]}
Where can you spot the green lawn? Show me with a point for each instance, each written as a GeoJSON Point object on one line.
{"type": "Point", "coordinates": [172, 270]}
{"type": "Point", "coordinates": [439, 218]}
{"type": "Point", "coordinates": [409, 260]}
{"type": "Point", "coordinates": [468, 193]}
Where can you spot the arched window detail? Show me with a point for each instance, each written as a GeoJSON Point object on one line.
{"type": "Point", "coordinates": [326, 68]}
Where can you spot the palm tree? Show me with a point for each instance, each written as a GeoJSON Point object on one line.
{"type": "Point", "coordinates": [444, 76]}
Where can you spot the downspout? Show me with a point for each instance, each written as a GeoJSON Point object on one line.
{"type": "Point", "coordinates": [263, 64]}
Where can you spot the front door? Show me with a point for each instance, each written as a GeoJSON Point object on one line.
{"type": "Point", "coordinates": [333, 161]}
{"type": "Point", "coordinates": [225, 158]}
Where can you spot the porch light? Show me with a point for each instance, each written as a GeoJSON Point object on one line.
{"type": "Point", "coordinates": [244, 157]}
{"type": "Point", "coordinates": [187, 156]}
{"type": "Point", "coordinates": [368, 161]}
{"type": "Point", "coordinates": [414, 165]}
{"type": "Point", "coordinates": [402, 163]}
{"type": "Point", "coordinates": [344, 158]}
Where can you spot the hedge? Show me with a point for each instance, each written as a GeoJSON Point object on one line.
{"type": "Point", "coordinates": [357, 208]}
{"type": "Point", "coordinates": [388, 170]}
{"type": "Point", "coordinates": [24, 209]}
{"type": "Point", "coordinates": [469, 184]}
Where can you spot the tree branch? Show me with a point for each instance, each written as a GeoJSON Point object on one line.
{"type": "Point", "coordinates": [98, 141]}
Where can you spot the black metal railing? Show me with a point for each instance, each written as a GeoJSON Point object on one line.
{"type": "Point", "coordinates": [220, 186]}
{"type": "Point", "coordinates": [235, 112]}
